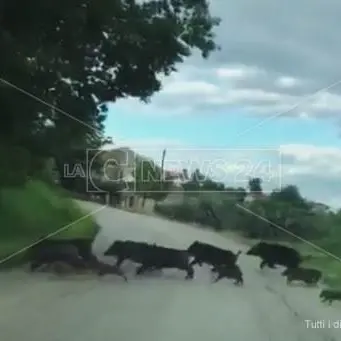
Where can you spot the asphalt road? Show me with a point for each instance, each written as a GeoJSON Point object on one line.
{"type": "Point", "coordinates": [160, 307]}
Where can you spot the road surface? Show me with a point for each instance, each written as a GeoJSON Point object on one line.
{"type": "Point", "coordinates": [157, 307]}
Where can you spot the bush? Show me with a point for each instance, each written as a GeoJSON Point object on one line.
{"type": "Point", "coordinates": [36, 210]}
{"type": "Point", "coordinates": [181, 213]}
{"type": "Point", "coordinates": [298, 220]}
{"type": "Point", "coordinates": [191, 211]}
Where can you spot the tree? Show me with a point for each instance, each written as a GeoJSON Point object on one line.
{"type": "Point", "coordinates": [255, 185]}
{"type": "Point", "coordinates": [284, 215]}
{"type": "Point", "coordinates": [197, 177]}
{"type": "Point", "coordinates": [195, 181]}
{"type": "Point", "coordinates": [212, 186]}
{"type": "Point", "coordinates": [149, 182]}
{"type": "Point", "coordinates": [241, 194]}
{"type": "Point", "coordinates": [290, 194]}
{"type": "Point", "coordinates": [79, 55]}
{"type": "Point", "coordinates": [184, 175]}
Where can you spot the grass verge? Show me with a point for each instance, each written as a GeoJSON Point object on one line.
{"type": "Point", "coordinates": [330, 267]}
{"type": "Point", "coordinates": [36, 210]}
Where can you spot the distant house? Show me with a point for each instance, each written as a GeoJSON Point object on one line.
{"type": "Point", "coordinates": [175, 191]}
{"type": "Point", "coordinates": [320, 208]}
{"type": "Point", "coordinates": [117, 168]}
{"type": "Point", "coordinates": [118, 164]}
{"type": "Point", "coordinates": [175, 177]}
{"type": "Point", "coordinates": [252, 196]}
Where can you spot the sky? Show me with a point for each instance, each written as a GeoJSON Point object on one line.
{"type": "Point", "coordinates": [268, 104]}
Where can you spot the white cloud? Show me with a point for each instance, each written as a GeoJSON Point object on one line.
{"type": "Point", "coordinates": [323, 162]}
{"type": "Point", "coordinates": [190, 88]}
{"type": "Point", "coordinates": [194, 89]}
{"type": "Point", "coordinates": [249, 95]}
{"type": "Point", "coordinates": [268, 65]}
{"type": "Point", "coordinates": [153, 145]}
{"type": "Point", "coordinates": [286, 82]}
{"type": "Point", "coordinates": [304, 152]}
{"type": "Point", "coordinates": [261, 67]}
{"type": "Point", "coordinates": [236, 72]}
{"type": "Point", "coordinates": [326, 101]}
{"type": "Point", "coordinates": [303, 115]}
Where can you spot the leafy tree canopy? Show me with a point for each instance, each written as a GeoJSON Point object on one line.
{"type": "Point", "coordinates": [79, 55]}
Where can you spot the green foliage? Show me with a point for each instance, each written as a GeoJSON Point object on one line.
{"type": "Point", "coordinates": [14, 166]}
{"type": "Point", "coordinates": [255, 185]}
{"type": "Point", "coordinates": [36, 210]}
{"type": "Point", "coordinates": [183, 213]}
{"type": "Point", "coordinates": [62, 62]}
{"type": "Point", "coordinates": [150, 182]}
{"type": "Point", "coordinates": [283, 215]}
{"type": "Point", "coordinates": [79, 55]}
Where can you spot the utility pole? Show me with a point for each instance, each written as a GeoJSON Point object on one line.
{"type": "Point", "coordinates": [162, 168]}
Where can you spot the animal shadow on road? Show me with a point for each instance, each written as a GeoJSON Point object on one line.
{"type": "Point", "coordinates": [130, 268]}
{"type": "Point", "coordinates": [201, 274]}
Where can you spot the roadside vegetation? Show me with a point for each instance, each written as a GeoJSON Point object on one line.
{"type": "Point", "coordinates": [36, 210]}
{"type": "Point", "coordinates": [282, 216]}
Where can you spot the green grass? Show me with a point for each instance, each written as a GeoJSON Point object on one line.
{"type": "Point", "coordinates": [330, 267]}
{"type": "Point", "coordinates": [34, 211]}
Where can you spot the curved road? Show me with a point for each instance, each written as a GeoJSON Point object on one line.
{"type": "Point", "coordinates": [157, 307]}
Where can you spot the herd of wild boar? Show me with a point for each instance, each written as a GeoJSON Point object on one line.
{"type": "Point", "coordinates": [78, 254]}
